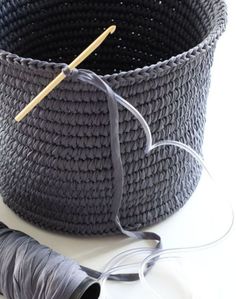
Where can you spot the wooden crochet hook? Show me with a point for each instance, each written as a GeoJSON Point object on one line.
{"type": "Point", "coordinates": [55, 82]}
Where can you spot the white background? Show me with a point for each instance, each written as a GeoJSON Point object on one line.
{"type": "Point", "coordinates": [209, 274]}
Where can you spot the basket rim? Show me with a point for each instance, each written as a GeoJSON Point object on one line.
{"type": "Point", "coordinates": [152, 70]}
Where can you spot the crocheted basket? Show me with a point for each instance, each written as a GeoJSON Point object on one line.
{"type": "Point", "coordinates": [56, 167]}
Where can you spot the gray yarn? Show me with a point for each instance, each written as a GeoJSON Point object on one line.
{"type": "Point", "coordinates": [57, 166]}
{"type": "Point", "coordinates": [89, 77]}
{"type": "Point", "coordinates": [30, 270]}
{"type": "Point", "coordinates": [33, 271]}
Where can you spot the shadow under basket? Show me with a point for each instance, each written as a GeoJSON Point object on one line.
{"type": "Point", "coordinates": [56, 167]}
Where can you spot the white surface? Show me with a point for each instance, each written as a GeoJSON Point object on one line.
{"type": "Point", "coordinates": [211, 273]}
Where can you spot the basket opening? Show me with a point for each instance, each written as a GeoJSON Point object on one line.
{"type": "Point", "coordinates": [148, 31]}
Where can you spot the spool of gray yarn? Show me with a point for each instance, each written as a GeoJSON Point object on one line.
{"type": "Point", "coordinates": [33, 271]}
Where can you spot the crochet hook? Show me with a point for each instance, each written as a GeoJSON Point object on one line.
{"type": "Point", "coordinates": [55, 82]}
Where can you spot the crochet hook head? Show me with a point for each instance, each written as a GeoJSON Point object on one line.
{"type": "Point", "coordinates": [55, 82]}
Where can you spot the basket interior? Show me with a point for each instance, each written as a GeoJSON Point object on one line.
{"type": "Point", "coordinates": [147, 31]}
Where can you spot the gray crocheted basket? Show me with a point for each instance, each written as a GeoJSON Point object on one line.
{"type": "Point", "coordinates": [56, 166]}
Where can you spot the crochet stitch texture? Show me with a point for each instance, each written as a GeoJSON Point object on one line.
{"type": "Point", "coordinates": [56, 169]}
